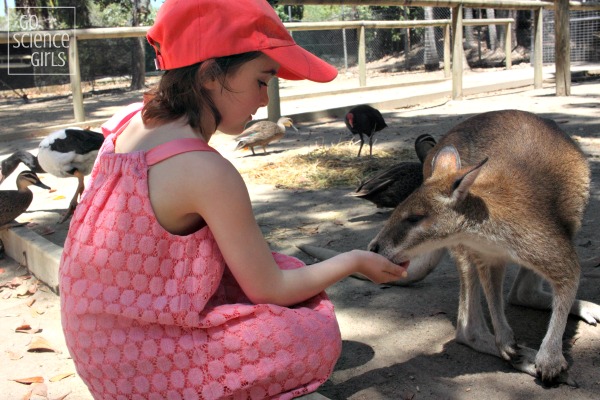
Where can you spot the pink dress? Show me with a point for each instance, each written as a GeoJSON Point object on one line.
{"type": "Point", "coordinates": [151, 315]}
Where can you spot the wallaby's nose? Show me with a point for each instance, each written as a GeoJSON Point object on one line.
{"type": "Point", "coordinates": [374, 247]}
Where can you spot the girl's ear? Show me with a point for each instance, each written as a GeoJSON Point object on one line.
{"type": "Point", "coordinates": [212, 84]}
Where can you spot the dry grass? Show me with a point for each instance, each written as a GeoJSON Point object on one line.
{"type": "Point", "coordinates": [325, 167]}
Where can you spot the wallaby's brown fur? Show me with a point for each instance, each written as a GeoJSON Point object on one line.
{"type": "Point", "coordinates": [504, 186]}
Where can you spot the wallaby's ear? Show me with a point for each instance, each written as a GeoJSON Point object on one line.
{"type": "Point", "coordinates": [446, 161]}
{"type": "Point", "coordinates": [461, 186]}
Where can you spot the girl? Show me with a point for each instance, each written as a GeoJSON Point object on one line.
{"type": "Point", "coordinates": [168, 288]}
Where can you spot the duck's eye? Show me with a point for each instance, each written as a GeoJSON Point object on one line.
{"type": "Point", "coordinates": [414, 219]}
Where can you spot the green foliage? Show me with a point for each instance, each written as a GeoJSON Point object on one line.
{"type": "Point", "coordinates": [321, 13]}
{"type": "Point", "coordinates": [10, 22]}
{"type": "Point", "coordinates": [284, 13]}
{"type": "Point", "coordinates": [121, 12]}
{"type": "Point", "coordinates": [50, 16]}
{"type": "Point", "coordinates": [110, 15]}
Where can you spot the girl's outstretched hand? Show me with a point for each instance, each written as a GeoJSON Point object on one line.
{"type": "Point", "coordinates": [378, 268]}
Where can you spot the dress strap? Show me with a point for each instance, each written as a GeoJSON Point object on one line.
{"type": "Point", "coordinates": [175, 147]}
{"type": "Point", "coordinates": [118, 122]}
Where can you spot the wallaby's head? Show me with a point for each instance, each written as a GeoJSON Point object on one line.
{"type": "Point", "coordinates": [436, 214]}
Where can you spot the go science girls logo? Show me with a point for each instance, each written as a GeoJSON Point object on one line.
{"type": "Point", "coordinates": [33, 49]}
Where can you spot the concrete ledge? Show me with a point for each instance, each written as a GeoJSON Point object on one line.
{"type": "Point", "coordinates": [39, 255]}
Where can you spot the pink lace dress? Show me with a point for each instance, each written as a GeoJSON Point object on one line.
{"type": "Point", "coordinates": [151, 315]}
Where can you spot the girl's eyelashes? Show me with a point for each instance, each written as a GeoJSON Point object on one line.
{"type": "Point", "coordinates": [262, 83]}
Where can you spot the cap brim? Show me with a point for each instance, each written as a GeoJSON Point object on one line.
{"type": "Point", "coordinates": [297, 63]}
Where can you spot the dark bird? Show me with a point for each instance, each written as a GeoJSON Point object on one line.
{"type": "Point", "coordinates": [391, 186]}
{"type": "Point", "coordinates": [262, 133]}
{"type": "Point", "coordinates": [63, 153]}
{"type": "Point", "coordinates": [364, 120]}
{"type": "Point", "coordinates": [67, 153]}
{"type": "Point", "coordinates": [8, 165]}
{"type": "Point", "coordinates": [14, 202]}
{"type": "Point", "coordinates": [423, 144]}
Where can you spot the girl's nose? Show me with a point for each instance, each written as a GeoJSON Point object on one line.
{"type": "Point", "coordinates": [264, 97]}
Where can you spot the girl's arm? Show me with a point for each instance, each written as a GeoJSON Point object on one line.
{"type": "Point", "coordinates": [212, 187]}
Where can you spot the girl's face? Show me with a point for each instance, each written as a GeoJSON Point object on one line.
{"type": "Point", "coordinates": [246, 93]}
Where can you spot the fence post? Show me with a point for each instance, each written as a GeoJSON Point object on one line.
{"type": "Point", "coordinates": [538, 55]}
{"type": "Point", "coordinates": [562, 48]}
{"type": "Point", "coordinates": [457, 52]}
{"type": "Point", "coordinates": [508, 45]}
{"type": "Point", "coordinates": [362, 57]}
{"type": "Point", "coordinates": [75, 76]}
{"type": "Point", "coordinates": [274, 106]}
{"type": "Point", "coordinates": [447, 51]}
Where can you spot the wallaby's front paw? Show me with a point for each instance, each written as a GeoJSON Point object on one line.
{"type": "Point", "coordinates": [549, 367]}
{"type": "Point", "coordinates": [587, 311]}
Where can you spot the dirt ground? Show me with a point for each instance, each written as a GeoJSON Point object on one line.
{"type": "Point", "coordinates": [398, 341]}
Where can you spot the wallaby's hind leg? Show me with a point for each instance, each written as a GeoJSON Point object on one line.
{"type": "Point", "coordinates": [471, 327]}
{"type": "Point", "coordinates": [492, 279]}
{"type": "Point", "coordinates": [528, 291]}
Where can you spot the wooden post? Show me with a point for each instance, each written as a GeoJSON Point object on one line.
{"type": "Point", "coordinates": [274, 106]}
{"type": "Point", "coordinates": [538, 34]}
{"type": "Point", "coordinates": [508, 45]}
{"type": "Point", "coordinates": [562, 49]}
{"type": "Point", "coordinates": [447, 51]}
{"type": "Point", "coordinates": [362, 57]}
{"type": "Point", "coordinates": [457, 52]}
{"type": "Point", "coordinates": [75, 76]}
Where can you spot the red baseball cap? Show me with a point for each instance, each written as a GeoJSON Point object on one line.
{"type": "Point", "coordinates": [187, 32]}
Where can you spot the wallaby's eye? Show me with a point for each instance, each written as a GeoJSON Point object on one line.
{"type": "Point", "coordinates": [414, 219]}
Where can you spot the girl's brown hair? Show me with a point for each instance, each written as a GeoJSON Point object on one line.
{"type": "Point", "coordinates": [181, 93]}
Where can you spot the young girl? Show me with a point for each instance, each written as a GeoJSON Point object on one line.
{"type": "Point", "coordinates": [168, 289]}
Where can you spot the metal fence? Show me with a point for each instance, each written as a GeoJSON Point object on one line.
{"type": "Point", "coordinates": [340, 46]}
{"type": "Point", "coordinates": [585, 36]}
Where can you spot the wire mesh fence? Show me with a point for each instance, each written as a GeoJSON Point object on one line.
{"type": "Point", "coordinates": [340, 47]}
{"type": "Point", "coordinates": [584, 29]}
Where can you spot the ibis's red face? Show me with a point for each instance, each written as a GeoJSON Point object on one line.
{"type": "Point", "coordinates": [350, 119]}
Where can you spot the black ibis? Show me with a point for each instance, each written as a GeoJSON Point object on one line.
{"type": "Point", "coordinates": [365, 120]}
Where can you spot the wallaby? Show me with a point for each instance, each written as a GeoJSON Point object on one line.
{"type": "Point", "coordinates": [502, 187]}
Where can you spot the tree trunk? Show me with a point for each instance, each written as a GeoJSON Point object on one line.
{"type": "Point", "coordinates": [492, 34]}
{"type": "Point", "coordinates": [138, 67]}
{"type": "Point", "coordinates": [138, 53]}
{"type": "Point", "coordinates": [430, 58]}
{"type": "Point", "coordinates": [470, 41]}
{"type": "Point", "coordinates": [514, 14]}
{"type": "Point", "coordinates": [406, 41]}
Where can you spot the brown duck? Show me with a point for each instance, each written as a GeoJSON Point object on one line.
{"type": "Point", "coordinates": [14, 202]}
{"type": "Point", "coordinates": [391, 186]}
{"type": "Point", "coordinates": [262, 133]}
